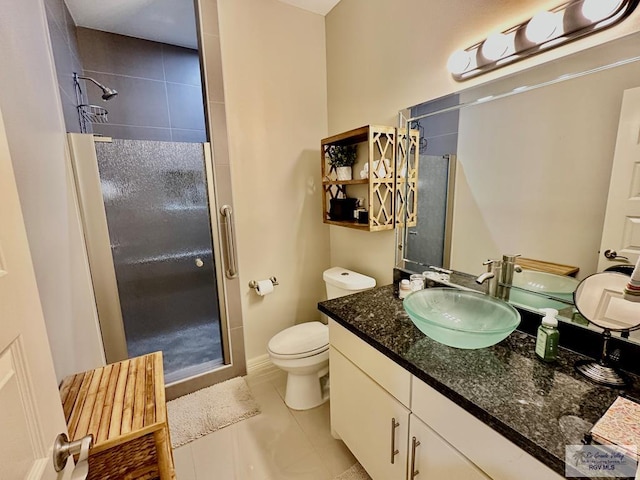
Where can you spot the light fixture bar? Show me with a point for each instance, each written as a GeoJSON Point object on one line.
{"type": "Point", "coordinates": [545, 30]}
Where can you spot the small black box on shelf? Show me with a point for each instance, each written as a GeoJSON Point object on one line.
{"type": "Point", "coordinates": [342, 208]}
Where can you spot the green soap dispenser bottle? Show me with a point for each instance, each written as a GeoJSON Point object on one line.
{"type": "Point", "coordinates": [548, 336]}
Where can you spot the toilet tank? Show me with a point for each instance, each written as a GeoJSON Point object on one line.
{"type": "Point", "coordinates": [340, 282]}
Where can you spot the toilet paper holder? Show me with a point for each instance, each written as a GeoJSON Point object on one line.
{"type": "Point", "coordinates": [254, 284]}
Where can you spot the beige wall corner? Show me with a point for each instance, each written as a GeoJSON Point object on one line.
{"type": "Point", "coordinates": [274, 70]}
{"type": "Point", "coordinates": [30, 102]}
{"type": "Point", "coordinates": [385, 56]}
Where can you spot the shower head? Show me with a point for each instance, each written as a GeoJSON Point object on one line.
{"type": "Point", "coordinates": [107, 93]}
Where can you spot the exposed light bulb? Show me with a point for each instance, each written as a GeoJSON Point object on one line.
{"type": "Point", "coordinates": [458, 62]}
{"type": "Point", "coordinates": [597, 10]}
{"type": "Point", "coordinates": [495, 46]}
{"type": "Point", "coordinates": [544, 26]}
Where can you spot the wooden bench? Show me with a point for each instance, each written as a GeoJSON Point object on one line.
{"type": "Point", "coordinates": [123, 406]}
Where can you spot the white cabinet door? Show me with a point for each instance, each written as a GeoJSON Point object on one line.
{"type": "Point", "coordinates": [30, 410]}
{"type": "Point", "coordinates": [433, 458]}
{"type": "Point", "coordinates": [372, 423]}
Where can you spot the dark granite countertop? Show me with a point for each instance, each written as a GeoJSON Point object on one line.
{"type": "Point", "coordinates": [540, 407]}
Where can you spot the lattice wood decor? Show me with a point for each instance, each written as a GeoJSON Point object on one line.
{"type": "Point", "coordinates": [382, 159]}
{"type": "Point", "coordinates": [407, 177]}
{"type": "Point", "coordinates": [386, 192]}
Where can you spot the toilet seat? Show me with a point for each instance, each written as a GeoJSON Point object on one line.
{"type": "Point", "coordinates": [300, 341]}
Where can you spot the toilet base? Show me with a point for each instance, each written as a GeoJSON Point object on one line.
{"type": "Point", "coordinates": [307, 391]}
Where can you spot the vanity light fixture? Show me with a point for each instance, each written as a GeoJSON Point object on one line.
{"type": "Point", "coordinates": [544, 26]}
{"type": "Point", "coordinates": [546, 29]}
{"type": "Point", "coordinates": [497, 46]}
{"type": "Point", "coordinates": [598, 10]}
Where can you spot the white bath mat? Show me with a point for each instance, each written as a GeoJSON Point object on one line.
{"type": "Point", "coordinates": [356, 472]}
{"type": "Point", "coordinates": [207, 410]}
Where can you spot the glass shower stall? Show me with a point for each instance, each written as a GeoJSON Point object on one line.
{"type": "Point", "coordinates": [146, 209]}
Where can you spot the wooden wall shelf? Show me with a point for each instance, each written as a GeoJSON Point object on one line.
{"type": "Point", "coordinates": [386, 197]}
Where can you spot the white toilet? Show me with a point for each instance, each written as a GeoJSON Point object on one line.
{"type": "Point", "coordinates": [303, 350]}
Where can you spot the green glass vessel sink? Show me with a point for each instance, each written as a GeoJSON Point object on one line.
{"type": "Point", "coordinates": [546, 283]}
{"type": "Point", "coordinates": [461, 319]}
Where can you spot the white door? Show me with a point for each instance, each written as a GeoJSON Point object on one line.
{"type": "Point", "coordinates": [621, 232]}
{"type": "Point", "coordinates": [30, 410]}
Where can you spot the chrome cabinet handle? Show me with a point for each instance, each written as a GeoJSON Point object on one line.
{"type": "Point", "coordinates": [394, 450]}
{"type": "Point", "coordinates": [414, 444]}
{"type": "Point", "coordinates": [613, 255]}
{"type": "Point", "coordinates": [232, 254]}
{"type": "Point", "coordinates": [63, 449]}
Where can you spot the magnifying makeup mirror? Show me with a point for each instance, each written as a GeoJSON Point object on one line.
{"type": "Point", "coordinates": [600, 298]}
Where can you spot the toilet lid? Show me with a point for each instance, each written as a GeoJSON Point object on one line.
{"type": "Point", "coordinates": [304, 338]}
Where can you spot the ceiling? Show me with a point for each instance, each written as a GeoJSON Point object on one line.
{"type": "Point", "coordinates": [166, 21]}
{"type": "Point", "coordinates": [321, 7]}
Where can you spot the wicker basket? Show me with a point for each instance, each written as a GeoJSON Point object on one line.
{"type": "Point", "coordinates": [136, 459]}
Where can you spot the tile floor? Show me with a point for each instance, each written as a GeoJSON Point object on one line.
{"type": "Point", "coordinates": [278, 444]}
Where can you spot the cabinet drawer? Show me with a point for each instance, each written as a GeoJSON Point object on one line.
{"type": "Point", "coordinates": [388, 374]}
{"type": "Point", "coordinates": [490, 451]}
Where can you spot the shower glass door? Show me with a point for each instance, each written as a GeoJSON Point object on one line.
{"type": "Point", "coordinates": [157, 207]}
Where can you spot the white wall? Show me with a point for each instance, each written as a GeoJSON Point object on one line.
{"type": "Point", "coordinates": [384, 56]}
{"type": "Point", "coordinates": [273, 58]}
{"type": "Point", "coordinates": [29, 100]}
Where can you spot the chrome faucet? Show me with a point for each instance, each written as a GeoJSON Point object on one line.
{"type": "Point", "coordinates": [500, 276]}
{"type": "Point", "coordinates": [493, 275]}
{"type": "Point", "coordinates": [509, 266]}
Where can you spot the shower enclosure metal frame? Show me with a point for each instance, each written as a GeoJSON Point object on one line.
{"type": "Point", "coordinates": [84, 164]}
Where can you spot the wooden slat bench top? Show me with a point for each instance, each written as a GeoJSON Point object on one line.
{"type": "Point", "coordinates": [117, 403]}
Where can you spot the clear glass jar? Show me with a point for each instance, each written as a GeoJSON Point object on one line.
{"type": "Point", "coordinates": [416, 281]}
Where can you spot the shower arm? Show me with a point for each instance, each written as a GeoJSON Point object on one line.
{"type": "Point", "coordinates": [107, 93]}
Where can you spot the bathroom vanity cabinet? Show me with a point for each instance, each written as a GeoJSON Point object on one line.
{"type": "Point", "coordinates": [391, 185]}
{"type": "Point", "coordinates": [398, 427]}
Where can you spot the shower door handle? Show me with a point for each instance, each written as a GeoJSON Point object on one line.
{"type": "Point", "coordinates": [232, 254]}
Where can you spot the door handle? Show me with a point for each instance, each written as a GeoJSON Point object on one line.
{"type": "Point", "coordinates": [63, 449]}
{"type": "Point", "coordinates": [613, 255]}
{"type": "Point", "coordinates": [199, 263]}
{"type": "Point", "coordinates": [394, 450]}
{"type": "Point", "coordinates": [232, 253]}
{"type": "Point", "coordinates": [413, 472]}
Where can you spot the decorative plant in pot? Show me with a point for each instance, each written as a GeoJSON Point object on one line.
{"type": "Point", "coordinates": [342, 158]}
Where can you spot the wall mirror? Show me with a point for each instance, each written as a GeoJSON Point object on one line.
{"type": "Point", "coordinates": [522, 165]}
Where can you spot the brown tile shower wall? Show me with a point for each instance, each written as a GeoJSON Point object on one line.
{"type": "Point", "coordinates": [62, 31]}
{"type": "Point", "coordinates": [159, 87]}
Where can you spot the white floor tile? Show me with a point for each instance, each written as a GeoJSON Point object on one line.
{"type": "Point", "coordinates": [266, 446]}
{"type": "Point", "coordinates": [277, 444]}
{"type": "Point", "coordinates": [213, 456]}
{"type": "Point", "coordinates": [308, 467]}
{"type": "Point", "coordinates": [336, 456]}
{"type": "Point", "coordinates": [183, 463]}
{"type": "Point", "coordinates": [315, 423]}
{"type": "Point", "coordinates": [281, 384]}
